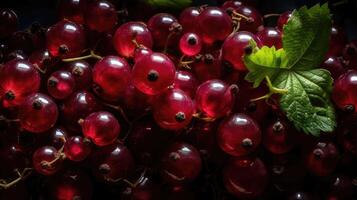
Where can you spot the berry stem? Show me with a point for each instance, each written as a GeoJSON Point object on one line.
{"type": "Point", "coordinates": [118, 108]}
{"type": "Point", "coordinates": [91, 55]}
{"type": "Point", "coordinates": [200, 116]}
{"type": "Point", "coordinates": [185, 64]}
{"type": "Point", "coordinates": [238, 16]}
{"type": "Point", "coordinates": [272, 90]}
{"type": "Point", "coordinates": [21, 176]}
{"type": "Point", "coordinates": [271, 15]}
{"type": "Point", "coordinates": [2, 118]}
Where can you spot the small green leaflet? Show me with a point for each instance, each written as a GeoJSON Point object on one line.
{"type": "Point", "coordinates": [174, 4]}
{"type": "Point", "coordinates": [305, 41]}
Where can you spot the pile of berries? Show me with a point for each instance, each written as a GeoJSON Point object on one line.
{"type": "Point", "coordinates": [99, 107]}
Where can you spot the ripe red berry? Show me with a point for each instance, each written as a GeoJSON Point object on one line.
{"type": "Point", "coordinates": [65, 39]}
{"type": "Point", "coordinates": [254, 22]}
{"type": "Point", "coordinates": [72, 10]}
{"type": "Point", "coordinates": [77, 148]}
{"type": "Point", "coordinates": [215, 25]}
{"type": "Point", "coordinates": [173, 109]}
{"type": "Point", "coordinates": [239, 135]}
{"type": "Point", "coordinates": [152, 74]}
{"type": "Point", "coordinates": [38, 113]}
{"type": "Point", "coordinates": [278, 137]}
{"type": "Point", "coordinates": [18, 79]}
{"type": "Point", "coordinates": [232, 5]}
{"type": "Point", "coordinates": [208, 67]}
{"type": "Point", "coordinates": [141, 52]}
{"type": "Point", "coordinates": [42, 60]}
{"type": "Point", "coordinates": [101, 16]}
{"type": "Point", "coordinates": [322, 159]}
{"type": "Point", "coordinates": [189, 19]}
{"type": "Point", "coordinates": [161, 26]}
{"type": "Point", "coordinates": [8, 22]}
{"type": "Point", "coordinates": [338, 40]}
{"type": "Point", "coordinates": [215, 98]}
{"type": "Point", "coordinates": [350, 54]}
{"type": "Point", "coordinates": [334, 66]}
{"type": "Point", "coordinates": [43, 155]}
{"type": "Point", "coordinates": [190, 44]}
{"type": "Point", "coordinates": [181, 163]}
{"type": "Point", "coordinates": [82, 74]}
{"type": "Point", "coordinates": [236, 46]}
{"type": "Point", "coordinates": [345, 92]}
{"type": "Point", "coordinates": [245, 179]}
{"type": "Point", "coordinates": [101, 127]}
{"type": "Point", "coordinates": [126, 33]}
{"type": "Point", "coordinates": [270, 37]}
{"type": "Point", "coordinates": [60, 84]}
{"type": "Point", "coordinates": [111, 76]}
{"type": "Point", "coordinates": [283, 19]}
{"type": "Point", "coordinates": [187, 82]}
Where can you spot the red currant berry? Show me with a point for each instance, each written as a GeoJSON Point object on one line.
{"type": "Point", "coordinates": [111, 75]}
{"type": "Point", "coordinates": [338, 40]}
{"type": "Point", "coordinates": [190, 44]}
{"type": "Point", "coordinates": [82, 74]}
{"type": "Point", "coordinates": [215, 25]}
{"type": "Point", "coordinates": [215, 98]}
{"type": "Point", "coordinates": [65, 39]}
{"type": "Point", "coordinates": [42, 60]}
{"type": "Point", "coordinates": [18, 79]}
{"type": "Point", "coordinates": [101, 16]}
{"type": "Point", "coordinates": [153, 73]}
{"type": "Point", "coordinates": [208, 67]}
{"type": "Point", "coordinates": [8, 22]}
{"type": "Point", "coordinates": [350, 54]}
{"type": "Point", "coordinates": [101, 127]}
{"type": "Point", "coordinates": [187, 82]}
{"type": "Point", "coordinates": [278, 137]}
{"type": "Point", "coordinates": [283, 19]}
{"type": "Point", "coordinates": [334, 66]}
{"type": "Point", "coordinates": [126, 33]}
{"type": "Point", "coordinates": [254, 21]}
{"type": "Point", "coordinates": [173, 109]}
{"type": "Point", "coordinates": [181, 163]}
{"type": "Point", "coordinates": [245, 179]}
{"type": "Point", "coordinates": [141, 52]}
{"type": "Point", "coordinates": [44, 155]}
{"type": "Point", "coordinates": [322, 159]}
{"type": "Point", "coordinates": [77, 148]}
{"type": "Point", "coordinates": [270, 37]}
{"type": "Point", "coordinates": [72, 10]}
{"type": "Point", "coordinates": [239, 135]}
{"type": "Point", "coordinates": [38, 113]}
{"type": "Point", "coordinates": [189, 18]}
{"type": "Point", "coordinates": [57, 137]}
{"type": "Point", "coordinates": [161, 26]}
{"type": "Point", "coordinates": [60, 84]}
{"type": "Point", "coordinates": [227, 5]}
{"type": "Point", "coordinates": [236, 46]}
{"type": "Point", "coordinates": [345, 92]}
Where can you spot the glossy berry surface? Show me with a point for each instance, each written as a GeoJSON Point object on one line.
{"type": "Point", "coordinates": [239, 135]}
{"type": "Point", "coordinates": [160, 26]}
{"type": "Point", "coordinates": [270, 37]}
{"type": "Point", "coordinates": [126, 33]}
{"type": "Point", "coordinates": [322, 159]}
{"type": "Point", "coordinates": [101, 16]}
{"type": "Point", "coordinates": [215, 24]}
{"type": "Point", "coordinates": [245, 178]}
{"type": "Point", "coordinates": [254, 20]}
{"type": "Point", "coordinates": [141, 52]}
{"type": "Point", "coordinates": [77, 148]}
{"type": "Point", "coordinates": [173, 109]}
{"type": "Point", "coordinates": [189, 18]}
{"type": "Point", "coordinates": [38, 113]}
{"type": "Point", "coordinates": [334, 66]}
{"type": "Point", "coordinates": [46, 154]}
{"type": "Point", "coordinates": [8, 22]}
{"type": "Point", "coordinates": [283, 19]}
{"type": "Point", "coordinates": [215, 99]}
{"type": "Point", "coordinates": [65, 39]}
{"type": "Point", "coordinates": [278, 137]}
{"type": "Point", "coordinates": [180, 164]}
{"type": "Point", "coordinates": [345, 93]}
{"type": "Point", "coordinates": [236, 46]}
{"type": "Point", "coordinates": [338, 39]}
{"type": "Point", "coordinates": [187, 82]}
{"type": "Point", "coordinates": [61, 84]}
{"type": "Point", "coordinates": [82, 74]}
{"type": "Point", "coordinates": [72, 10]}
{"type": "Point", "coordinates": [13, 72]}
{"type": "Point", "coordinates": [101, 127]}
{"type": "Point", "coordinates": [208, 67]}
{"type": "Point", "coordinates": [190, 44]}
{"type": "Point", "coordinates": [111, 76]}
{"type": "Point", "coordinates": [153, 73]}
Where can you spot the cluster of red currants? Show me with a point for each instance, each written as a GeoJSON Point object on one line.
{"type": "Point", "coordinates": [138, 106]}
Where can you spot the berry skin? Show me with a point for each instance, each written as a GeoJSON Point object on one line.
{"type": "Point", "coordinates": [232, 5]}
{"type": "Point", "coordinates": [208, 67]}
{"type": "Point", "coordinates": [173, 109]}
{"type": "Point", "coordinates": [245, 179]}
{"type": "Point", "coordinates": [187, 82]}
{"type": "Point", "coordinates": [190, 44]}
{"type": "Point", "coordinates": [278, 137]}
{"type": "Point", "coordinates": [322, 159]}
{"type": "Point", "coordinates": [101, 16]}
{"type": "Point", "coordinates": [46, 154]}
{"type": "Point", "coordinates": [152, 74]}
{"type": "Point", "coordinates": [345, 92]}
{"type": "Point", "coordinates": [141, 52]}
{"type": "Point", "coordinates": [38, 113]}
{"type": "Point", "coordinates": [189, 18]}
{"type": "Point", "coordinates": [181, 163]}
{"type": "Point", "coordinates": [215, 25]}
{"type": "Point", "coordinates": [77, 148]}
{"type": "Point", "coordinates": [8, 22]}
{"type": "Point", "coordinates": [283, 19]}
{"type": "Point", "coordinates": [338, 40]}
{"type": "Point", "coordinates": [126, 33]}
{"type": "Point", "coordinates": [101, 127]}
{"type": "Point", "coordinates": [18, 79]}
{"type": "Point", "coordinates": [236, 46]}
{"type": "Point", "coordinates": [270, 37]}
{"type": "Point", "coordinates": [215, 98]}
{"type": "Point", "coordinates": [254, 22]}
{"type": "Point", "coordinates": [72, 10]}
{"type": "Point", "coordinates": [334, 66]}
{"type": "Point", "coordinates": [60, 84]}
{"type": "Point", "coordinates": [42, 60]}
{"type": "Point", "coordinates": [111, 76]}
{"type": "Point", "coordinates": [350, 54]}
{"type": "Point", "coordinates": [65, 39]}
{"type": "Point", "coordinates": [239, 135]}
{"type": "Point", "coordinates": [161, 26]}
{"type": "Point", "coordinates": [82, 74]}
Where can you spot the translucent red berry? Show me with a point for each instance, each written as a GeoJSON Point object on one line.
{"type": "Point", "coordinates": [141, 52]}
{"type": "Point", "coordinates": [338, 40]}
{"type": "Point", "coordinates": [245, 178]}
{"type": "Point", "coordinates": [270, 37]}
{"type": "Point", "coordinates": [161, 26]}
{"type": "Point", "coordinates": [232, 5]}
{"type": "Point", "coordinates": [101, 16]}
{"type": "Point", "coordinates": [322, 159]}
{"type": "Point", "coordinates": [42, 60]}
{"type": "Point", "coordinates": [278, 137]}
{"type": "Point", "coordinates": [82, 74]}
{"type": "Point", "coordinates": [111, 76]}
{"type": "Point", "coordinates": [77, 148]}
{"type": "Point", "coordinates": [42, 157]}
{"type": "Point", "coordinates": [101, 127]}
{"type": "Point", "coordinates": [189, 18]}
{"type": "Point", "coordinates": [18, 79]}
{"type": "Point", "coordinates": [208, 67]}
{"type": "Point", "coordinates": [153, 73]}
{"type": "Point", "coordinates": [181, 163]}
{"type": "Point", "coordinates": [236, 46]}
{"type": "Point", "coordinates": [8, 22]}
{"type": "Point", "coordinates": [215, 98]}
{"type": "Point", "coordinates": [61, 84]}
{"type": "Point", "coordinates": [252, 21]}
{"type": "Point", "coordinates": [345, 92]}
{"type": "Point", "coordinates": [187, 82]}
{"type": "Point", "coordinates": [38, 113]}
{"type": "Point", "coordinates": [190, 44]}
{"type": "Point", "coordinates": [65, 39]}
{"type": "Point", "coordinates": [334, 66]}
{"type": "Point", "coordinates": [173, 109]}
{"type": "Point", "coordinates": [130, 33]}
{"type": "Point", "coordinates": [72, 10]}
{"type": "Point", "coordinates": [215, 24]}
{"type": "Point", "coordinates": [239, 135]}
{"type": "Point", "coordinates": [283, 19]}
